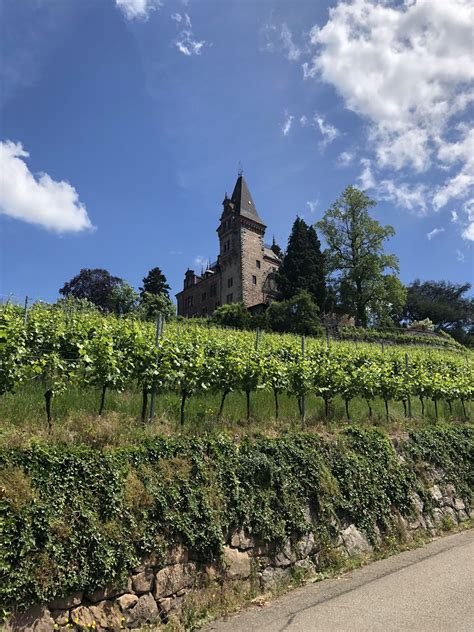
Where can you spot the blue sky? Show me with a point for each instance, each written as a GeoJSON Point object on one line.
{"type": "Point", "coordinates": [123, 122]}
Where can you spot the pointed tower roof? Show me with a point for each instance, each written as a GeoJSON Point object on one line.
{"type": "Point", "coordinates": [243, 203]}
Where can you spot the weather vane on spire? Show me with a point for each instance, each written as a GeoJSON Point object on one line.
{"type": "Point", "coordinates": [240, 171]}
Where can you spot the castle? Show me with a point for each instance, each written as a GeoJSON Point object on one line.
{"type": "Point", "coordinates": [245, 267]}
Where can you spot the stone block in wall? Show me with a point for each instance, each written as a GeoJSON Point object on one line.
{"type": "Point", "coordinates": [286, 555]}
{"type": "Point", "coordinates": [145, 611]}
{"type": "Point", "coordinates": [61, 617]}
{"type": "Point", "coordinates": [307, 567]}
{"type": "Point", "coordinates": [450, 513]}
{"type": "Point", "coordinates": [272, 578]}
{"type": "Point", "coordinates": [109, 591]}
{"type": "Point", "coordinates": [449, 495]}
{"type": "Point", "coordinates": [355, 542]}
{"type": "Point", "coordinates": [305, 545]}
{"type": "Point", "coordinates": [459, 505]}
{"type": "Point", "coordinates": [127, 601]}
{"type": "Point", "coordinates": [165, 604]}
{"type": "Point", "coordinates": [64, 603]}
{"type": "Point", "coordinates": [177, 555]}
{"type": "Point", "coordinates": [82, 617]}
{"type": "Point", "coordinates": [462, 516]}
{"type": "Point", "coordinates": [106, 615]}
{"type": "Point", "coordinates": [417, 502]}
{"type": "Point", "coordinates": [240, 540]}
{"type": "Point", "coordinates": [237, 563]}
{"type": "Point", "coordinates": [436, 493]}
{"type": "Point", "coordinates": [143, 582]}
{"type": "Point", "coordinates": [171, 579]}
{"type": "Point", "coordinates": [35, 619]}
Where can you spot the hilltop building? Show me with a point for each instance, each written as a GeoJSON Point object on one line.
{"type": "Point", "coordinates": [245, 267]}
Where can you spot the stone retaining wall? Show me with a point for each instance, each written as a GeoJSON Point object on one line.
{"type": "Point", "coordinates": [154, 592]}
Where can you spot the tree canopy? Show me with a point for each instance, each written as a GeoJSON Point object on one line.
{"type": "Point", "coordinates": [356, 256]}
{"type": "Point", "coordinates": [94, 284]}
{"type": "Point", "coordinates": [298, 315]}
{"type": "Point", "coordinates": [445, 304]}
{"type": "Point", "coordinates": [155, 283]}
{"type": "Point", "coordinates": [303, 265]}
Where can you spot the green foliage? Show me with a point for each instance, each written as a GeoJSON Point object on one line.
{"type": "Point", "coordinates": [76, 517]}
{"type": "Point", "coordinates": [69, 349]}
{"type": "Point", "coordinates": [155, 283]}
{"type": "Point", "coordinates": [445, 304]}
{"type": "Point", "coordinates": [153, 304]}
{"type": "Point", "coordinates": [397, 336]}
{"type": "Point", "coordinates": [297, 315]}
{"type": "Point", "coordinates": [232, 315]}
{"type": "Point", "coordinates": [95, 285]}
{"type": "Point", "coordinates": [303, 265]}
{"type": "Point", "coordinates": [123, 299]}
{"type": "Point", "coordinates": [357, 256]}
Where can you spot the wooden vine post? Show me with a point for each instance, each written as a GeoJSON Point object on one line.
{"type": "Point", "coordinates": [159, 332]}
{"type": "Point", "coordinates": [303, 403]}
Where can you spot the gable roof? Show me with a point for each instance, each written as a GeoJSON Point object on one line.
{"type": "Point", "coordinates": [243, 202]}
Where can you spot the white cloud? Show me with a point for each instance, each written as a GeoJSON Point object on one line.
{"type": "Point", "coordinates": [328, 132]}
{"type": "Point", "coordinates": [312, 205]}
{"type": "Point", "coordinates": [468, 232]}
{"type": "Point", "coordinates": [434, 232]}
{"type": "Point", "coordinates": [366, 178]}
{"type": "Point", "coordinates": [454, 217]}
{"type": "Point", "coordinates": [286, 127]}
{"type": "Point", "coordinates": [411, 197]}
{"type": "Point", "coordinates": [460, 256]}
{"type": "Point", "coordinates": [345, 158]}
{"type": "Point", "coordinates": [468, 208]}
{"type": "Point", "coordinates": [279, 40]}
{"type": "Point", "coordinates": [293, 53]}
{"type": "Point", "coordinates": [138, 9]}
{"type": "Point", "coordinates": [37, 199]}
{"type": "Point", "coordinates": [460, 184]}
{"type": "Point", "coordinates": [185, 42]}
{"type": "Point", "coordinates": [177, 17]}
{"type": "Point", "coordinates": [407, 69]}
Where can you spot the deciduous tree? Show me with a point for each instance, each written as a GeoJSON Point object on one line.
{"type": "Point", "coordinates": [356, 253]}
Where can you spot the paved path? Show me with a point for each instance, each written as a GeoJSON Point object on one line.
{"type": "Point", "coordinates": [430, 589]}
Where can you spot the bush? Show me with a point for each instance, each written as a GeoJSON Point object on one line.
{"type": "Point", "coordinates": [232, 315]}
{"type": "Point", "coordinates": [298, 315]}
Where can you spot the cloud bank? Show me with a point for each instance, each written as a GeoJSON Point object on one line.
{"type": "Point", "coordinates": [38, 199]}
{"type": "Point", "coordinates": [138, 9]}
{"type": "Point", "coordinates": [406, 68]}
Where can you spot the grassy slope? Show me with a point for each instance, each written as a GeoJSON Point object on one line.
{"type": "Point", "coordinates": [75, 415]}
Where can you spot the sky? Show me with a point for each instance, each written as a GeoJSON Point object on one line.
{"type": "Point", "coordinates": [124, 122]}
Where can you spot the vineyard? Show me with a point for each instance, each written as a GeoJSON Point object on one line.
{"type": "Point", "coordinates": [57, 350]}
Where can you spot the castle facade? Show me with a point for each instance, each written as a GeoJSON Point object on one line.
{"type": "Point", "coordinates": [245, 267]}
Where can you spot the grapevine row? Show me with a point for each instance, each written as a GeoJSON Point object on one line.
{"type": "Point", "coordinates": [65, 348]}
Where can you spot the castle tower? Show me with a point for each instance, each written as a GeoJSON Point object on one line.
{"type": "Point", "coordinates": [241, 232]}
{"type": "Point", "coordinates": [245, 267]}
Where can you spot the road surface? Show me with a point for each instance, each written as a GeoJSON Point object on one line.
{"type": "Point", "coordinates": [428, 589]}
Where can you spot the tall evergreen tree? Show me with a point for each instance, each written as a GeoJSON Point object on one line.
{"type": "Point", "coordinates": [303, 265]}
{"type": "Point", "coordinates": [155, 283]}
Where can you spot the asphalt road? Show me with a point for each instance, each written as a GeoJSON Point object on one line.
{"type": "Point", "coordinates": [428, 589]}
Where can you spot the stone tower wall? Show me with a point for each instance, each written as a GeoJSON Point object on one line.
{"type": "Point", "coordinates": [251, 252]}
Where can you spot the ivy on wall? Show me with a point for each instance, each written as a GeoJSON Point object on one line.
{"type": "Point", "coordinates": [74, 517]}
